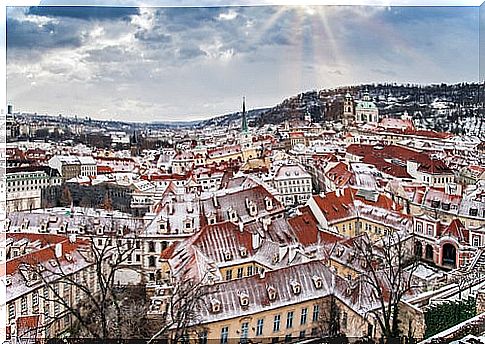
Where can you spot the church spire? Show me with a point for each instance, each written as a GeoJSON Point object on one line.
{"type": "Point", "coordinates": [244, 124]}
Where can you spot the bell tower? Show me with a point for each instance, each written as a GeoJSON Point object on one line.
{"type": "Point", "coordinates": [348, 114]}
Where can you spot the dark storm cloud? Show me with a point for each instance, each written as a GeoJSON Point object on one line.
{"type": "Point", "coordinates": [29, 35]}
{"type": "Point", "coordinates": [84, 12]}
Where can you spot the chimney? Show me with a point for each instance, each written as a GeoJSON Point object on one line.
{"type": "Point", "coordinates": [292, 253]}
{"type": "Point", "coordinates": [72, 238]}
{"type": "Point", "coordinates": [170, 207]}
{"type": "Point", "coordinates": [215, 200]}
{"type": "Point", "coordinates": [256, 240]}
{"type": "Point", "coordinates": [58, 250]}
{"type": "Point", "coordinates": [282, 251]}
{"type": "Point", "coordinates": [266, 222]}
{"type": "Point", "coordinates": [241, 226]}
{"type": "Point", "coordinates": [338, 192]}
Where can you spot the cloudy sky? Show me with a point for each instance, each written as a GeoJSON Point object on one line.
{"type": "Point", "coordinates": [143, 64]}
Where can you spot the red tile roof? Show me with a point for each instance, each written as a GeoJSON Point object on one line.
{"type": "Point", "coordinates": [306, 230]}
{"type": "Point", "coordinates": [337, 207]}
{"type": "Point", "coordinates": [45, 253]}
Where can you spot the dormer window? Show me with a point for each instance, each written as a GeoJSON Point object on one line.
{"type": "Point", "coordinates": [268, 202]}
{"type": "Point", "coordinates": [317, 282]}
{"type": "Point", "coordinates": [351, 257]}
{"type": "Point", "coordinates": [276, 258]}
{"type": "Point", "coordinates": [63, 227]}
{"type": "Point", "coordinates": [243, 252]}
{"type": "Point", "coordinates": [100, 230]}
{"type": "Point", "coordinates": [363, 263]}
{"type": "Point", "coordinates": [296, 287]}
{"type": "Point", "coordinates": [188, 225]}
{"type": "Point", "coordinates": [253, 211]}
{"type": "Point", "coordinates": [340, 251]}
{"type": "Point", "coordinates": [232, 215]}
{"type": "Point", "coordinates": [43, 227]}
{"type": "Point", "coordinates": [243, 299]}
{"type": "Point", "coordinates": [215, 306]}
{"type": "Point", "coordinates": [25, 224]}
{"type": "Point", "coordinates": [227, 255]}
{"type": "Point", "coordinates": [211, 218]}
{"type": "Point", "coordinates": [68, 257]}
{"type": "Point", "coordinates": [162, 227]}
{"type": "Point", "coordinates": [271, 293]}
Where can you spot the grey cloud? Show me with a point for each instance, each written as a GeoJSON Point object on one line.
{"type": "Point", "coordinates": [190, 53]}
{"type": "Point", "coordinates": [108, 55]}
{"type": "Point", "coordinates": [84, 12]}
{"type": "Point", "coordinates": [28, 35]}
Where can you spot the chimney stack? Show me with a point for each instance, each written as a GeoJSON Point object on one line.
{"type": "Point", "coordinates": [58, 250]}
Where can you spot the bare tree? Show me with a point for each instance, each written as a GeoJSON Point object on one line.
{"type": "Point", "coordinates": [98, 310]}
{"type": "Point", "coordinates": [389, 266]}
{"type": "Point", "coordinates": [181, 311]}
{"type": "Point", "coordinates": [328, 321]}
{"type": "Point", "coordinates": [66, 197]}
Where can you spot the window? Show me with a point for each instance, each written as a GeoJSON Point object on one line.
{"type": "Point", "coordinates": [57, 309]}
{"type": "Point", "coordinates": [203, 337]}
{"type": "Point", "coordinates": [259, 327]}
{"type": "Point", "coordinates": [288, 338]}
{"type": "Point", "coordinates": [35, 301]}
{"type": "Point", "coordinates": [151, 246]}
{"type": "Point", "coordinates": [344, 319]}
{"type": "Point", "coordinates": [228, 275]}
{"type": "Point", "coordinates": [289, 320]}
{"type": "Point", "coordinates": [151, 261]}
{"type": "Point", "coordinates": [250, 270]}
{"type": "Point", "coordinates": [138, 257]}
{"type": "Point", "coordinates": [302, 334]}
{"type": "Point", "coordinates": [276, 323]}
{"type": "Point", "coordinates": [23, 305]}
{"type": "Point", "coordinates": [303, 317]}
{"type": "Point", "coordinates": [239, 272]}
{"type": "Point", "coordinates": [476, 240]}
{"type": "Point", "coordinates": [316, 313]}
{"type": "Point", "coordinates": [11, 311]}
{"type": "Point", "coordinates": [244, 332]}
{"type": "Point", "coordinates": [224, 335]}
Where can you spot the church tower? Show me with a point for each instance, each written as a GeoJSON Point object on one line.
{"type": "Point", "coordinates": [244, 124]}
{"type": "Point", "coordinates": [245, 137]}
{"type": "Point", "coordinates": [348, 115]}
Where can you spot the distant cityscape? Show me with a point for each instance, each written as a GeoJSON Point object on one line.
{"type": "Point", "coordinates": [350, 213]}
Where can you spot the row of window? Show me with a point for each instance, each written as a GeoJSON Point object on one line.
{"type": "Point", "coordinates": [293, 182]}
{"type": "Point", "coordinates": [296, 190]}
{"type": "Point", "coordinates": [46, 296]}
{"type": "Point", "coordinates": [240, 272]}
{"type": "Point", "coordinates": [290, 316]}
